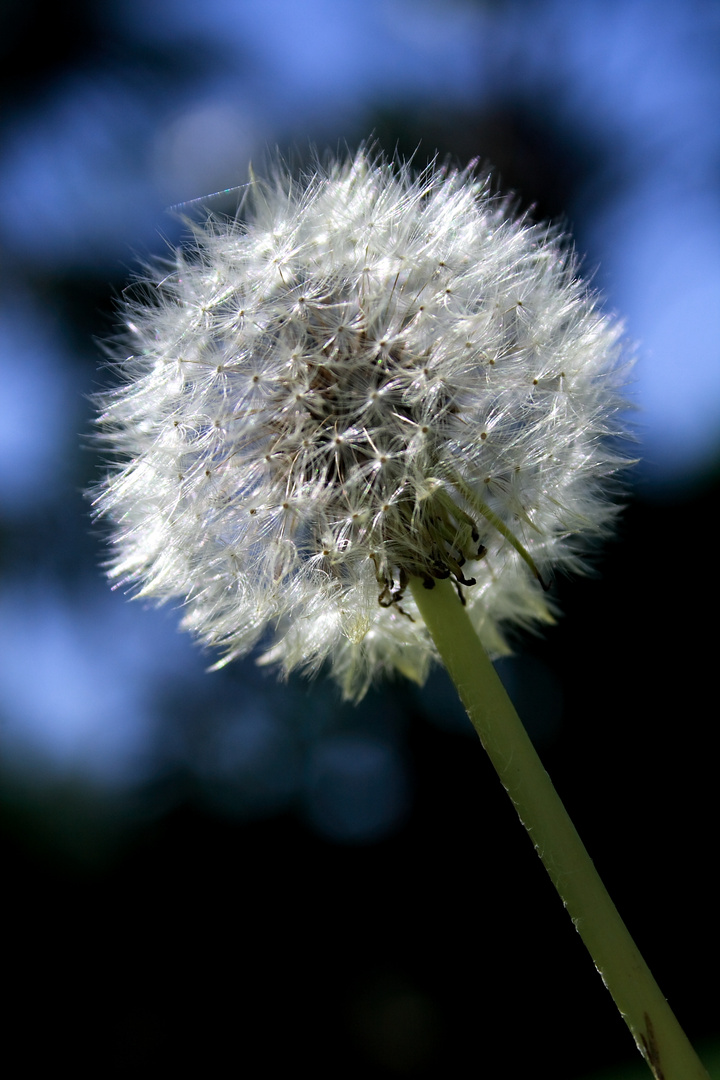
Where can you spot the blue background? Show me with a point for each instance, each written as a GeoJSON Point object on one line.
{"type": "Point", "coordinates": [235, 873]}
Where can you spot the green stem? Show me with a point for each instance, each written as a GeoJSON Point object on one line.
{"type": "Point", "coordinates": [657, 1033]}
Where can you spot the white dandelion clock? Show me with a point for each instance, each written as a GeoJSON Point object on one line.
{"type": "Point", "coordinates": [373, 415]}
{"type": "Point", "coordinates": [368, 378]}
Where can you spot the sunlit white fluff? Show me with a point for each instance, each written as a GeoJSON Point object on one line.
{"type": "Point", "coordinates": [366, 376]}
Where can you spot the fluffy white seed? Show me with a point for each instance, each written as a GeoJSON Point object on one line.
{"type": "Point", "coordinates": [365, 377]}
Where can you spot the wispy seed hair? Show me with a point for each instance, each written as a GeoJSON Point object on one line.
{"type": "Point", "coordinates": [363, 377]}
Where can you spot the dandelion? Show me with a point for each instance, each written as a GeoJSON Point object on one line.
{"type": "Point", "coordinates": [375, 414]}
{"type": "Point", "coordinates": [368, 379]}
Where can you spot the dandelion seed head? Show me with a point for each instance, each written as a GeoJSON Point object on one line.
{"type": "Point", "coordinates": [367, 377]}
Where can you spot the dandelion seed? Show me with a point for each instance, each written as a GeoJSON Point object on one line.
{"type": "Point", "coordinates": [369, 378]}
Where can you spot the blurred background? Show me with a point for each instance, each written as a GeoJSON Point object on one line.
{"type": "Point", "coordinates": [217, 872]}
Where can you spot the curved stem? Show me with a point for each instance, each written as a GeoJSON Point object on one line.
{"type": "Point", "coordinates": [492, 518]}
{"type": "Point", "coordinates": [657, 1033]}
